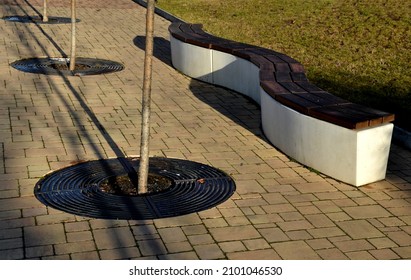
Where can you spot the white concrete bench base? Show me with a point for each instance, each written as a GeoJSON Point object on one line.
{"type": "Point", "coordinates": [356, 157]}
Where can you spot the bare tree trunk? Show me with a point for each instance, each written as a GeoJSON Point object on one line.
{"type": "Point", "coordinates": [145, 122]}
{"type": "Point", "coordinates": [45, 16]}
{"type": "Point", "coordinates": [73, 36]}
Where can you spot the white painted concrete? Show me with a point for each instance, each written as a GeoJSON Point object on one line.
{"type": "Point", "coordinates": [237, 74]}
{"type": "Point", "coordinates": [192, 60]}
{"type": "Point", "coordinates": [357, 157]}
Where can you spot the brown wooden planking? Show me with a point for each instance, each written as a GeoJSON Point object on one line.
{"type": "Point", "coordinates": [292, 87]}
{"type": "Point", "coordinates": [309, 86]}
{"type": "Point", "coordinates": [273, 88]}
{"type": "Point", "coordinates": [347, 115]}
{"type": "Point", "coordinates": [299, 77]}
{"type": "Point", "coordinates": [296, 102]}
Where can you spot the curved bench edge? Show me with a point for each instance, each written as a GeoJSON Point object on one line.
{"type": "Point", "coordinates": [354, 155]}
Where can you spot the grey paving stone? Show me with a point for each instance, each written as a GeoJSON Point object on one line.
{"type": "Point", "coordinates": [44, 235]}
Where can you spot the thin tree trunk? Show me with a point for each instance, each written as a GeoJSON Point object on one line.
{"type": "Point", "coordinates": [45, 16]}
{"type": "Point", "coordinates": [73, 36]}
{"type": "Point", "coordinates": [145, 122]}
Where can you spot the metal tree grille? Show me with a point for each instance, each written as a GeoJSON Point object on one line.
{"type": "Point", "coordinates": [38, 20]}
{"type": "Point", "coordinates": [76, 189]}
{"type": "Point", "coordinates": [59, 66]}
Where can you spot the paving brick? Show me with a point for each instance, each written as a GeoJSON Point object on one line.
{"type": "Point", "coordinates": [361, 255]}
{"type": "Point", "coordinates": [367, 212]}
{"type": "Point", "coordinates": [79, 236]}
{"type": "Point", "coordinates": [76, 226]}
{"type": "Point", "coordinates": [178, 247]}
{"type": "Point", "coordinates": [319, 220]}
{"type": "Point", "coordinates": [325, 232]}
{"type": "Point", "coordinates": [152, 247]}
{"type": "Point", "coordinates": [172, 235]}
{"type": "Point", "coordinates": [316, 187]}
{"type": "Point", "coordinates": [140, 230]}
{"type": "Point", "coordinates": [250, 202]}
{"type": "Point", "coordinates": [278, 208]}
{"type": "Point", "coordinates": [298, 235]}
{"type": "Point", "coordinates": [193, 230]}
{"type": "Point", "coordinates": [295, 250]}
{"type": "Point", "coordinates": [10, 234]}
{"type": "Point", "coordinates": [359, 229]}
{"type": "Point", "coordinates": [120, 253]}
{"type": "Point", "coordinates": [234, 233]}
{"type": "Point", "coordinates": [100, 223]}
{"type": "Point", "coordinates": [291, 216]}
{"type": "Point", "coordinates": [12, 254]}
{"type": "Point", "coordinates": [384, 254]}
{"type": "Point", "coordinates": [266, 254]}
{"type": "Point", "coordinates": [209, 252]}
{"type": "Point", "coordinates": [40, 251]}
{"type": "Point", "coordinates": [55, 218]}
{"type": "Point", "coordinates": [113, 238]}
{"type": "Point", "coordinates": [44, 235]}
{"type": "Point", "coordinates": [238, 221]}
{"type": "Point", "coordinates": [353, 245]}
{"type": "Point", "coordinates": [74, 247]}
{"type": "Point", "coordinates": [327, 206]}
{"type": "Point", "coordinates": [186, 220]}
{"type": "Point", "coordinates": [321, 243]}
{"type": "Point", "coordinates": [331, 254]}
{"type": "Point", "coordinates": [339, 216]}
{"type": "Point", "coordinates": [211, 223]}
{"type": "Point", "coordinates": [200, 239]}
{"type": "Point", "coordinates": [264, 219]}
{"type": "Point", "coordinates": [93, 255]}
{"type": "Point", "coordinates": [273, 235]}
{"type": "Point", "coordinates": [400, 237]}
{"type": "Point", "coordinates": [391, 221]}
{"type": "Point", "coordinates": [210, 213]}
{"type": "Point", "coordinates": [382, 242]}
{"type": "Point", "coordinates": [307, 209]}
{"type": "Point", "coordinates": [256, 244]}
{"type": "Point", "coordinates": [11, 243]}
{"type": "Point", "coordinates": [294, 225]}
{"type": "Point", "coordinates": [231, 212]}
{"type": "Point", "coordinates": [179, 256]}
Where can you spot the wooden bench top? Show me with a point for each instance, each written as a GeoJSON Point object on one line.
{"type": "Point", "coordinates": [284, 79]}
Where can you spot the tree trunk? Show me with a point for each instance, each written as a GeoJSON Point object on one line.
{"type": "Point", "coordinates": [73, 36]}
{"type": "Point", "coordinates": [145, 122]}
{"type": "Point", "coordinates": [45, 16]}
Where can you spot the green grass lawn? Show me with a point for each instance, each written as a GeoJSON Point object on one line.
{"type": "Point", "coordinates": [357, 49]}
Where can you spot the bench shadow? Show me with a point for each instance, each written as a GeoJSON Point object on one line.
{"type": "Point", "coordinates": [161, 51]}
{"type": "Point", "coordinates": [238, 108]}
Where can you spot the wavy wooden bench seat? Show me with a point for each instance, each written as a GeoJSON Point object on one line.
{"type": "Point", "coordinates": [344, 140]}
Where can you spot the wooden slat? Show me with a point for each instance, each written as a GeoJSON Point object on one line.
{"type": "Point", "coordinates": [347, 116]}
{"type": "Point", "coordinates": [292, 87]}
{"type": "Point", "coordinates": [296, 102]}
{"type": "Point", "coordinates": [273, 88]}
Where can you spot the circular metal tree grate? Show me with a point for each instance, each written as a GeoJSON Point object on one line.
{"type": "Point", "coordinates": [77, 189]}
{"type": "Point", "coordinates": [60, 66]}
{"type": "Point", "coordinates": [39, 20]}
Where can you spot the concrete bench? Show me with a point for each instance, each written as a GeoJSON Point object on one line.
{"type": "Point", "coordinates": [346, 141]}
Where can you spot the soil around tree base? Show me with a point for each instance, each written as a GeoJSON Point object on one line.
{"type": "Point", "coordinates": [127, 184]}
{"type": "Point", "coordinates": [66, 67]}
